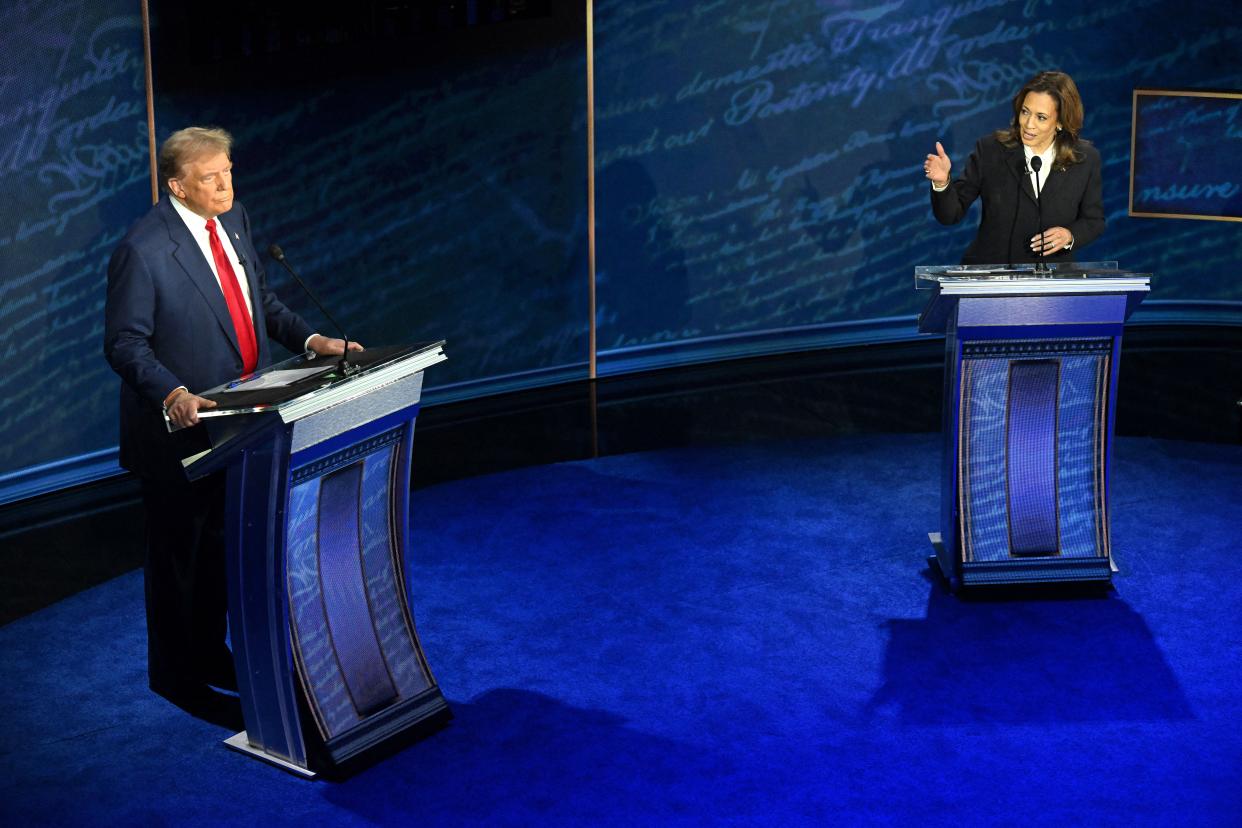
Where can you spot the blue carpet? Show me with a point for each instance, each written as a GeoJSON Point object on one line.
{"type": "Point", "coordinates": [739, 635]}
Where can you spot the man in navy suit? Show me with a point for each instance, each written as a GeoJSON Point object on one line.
{"type": "Point", "coordinates": [188, 308]}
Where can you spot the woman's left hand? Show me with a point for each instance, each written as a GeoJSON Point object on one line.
{"type": "Point", "coordinates": [1055, 238]}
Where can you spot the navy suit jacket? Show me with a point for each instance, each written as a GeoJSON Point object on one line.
{"type": "Point", "coordinates": [1071, 197]}
{"type": "Point", "coordinates": [166, 324]}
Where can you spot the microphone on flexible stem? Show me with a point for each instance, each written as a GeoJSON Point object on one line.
{"type": "Point", "coordinates": [1041, 266]}
{"type": "Point", "coordinates": [279, 255]}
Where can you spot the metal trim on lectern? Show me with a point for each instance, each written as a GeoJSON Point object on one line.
{"type": "Point", "coordinates": [318, 459]}
{"type": "Point", "coordinates": [1030, 386]}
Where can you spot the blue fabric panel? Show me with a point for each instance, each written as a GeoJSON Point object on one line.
{"type": "Point", "coordinates": [1003, 311]}
{"type": "Point", "coordinates": [1031, 451]}
{"type": "Point", "coordinates": [985, 514]}
{"type": "Point", "coordinates": [380, 564]}
{"type": "Point", "coordinates": [1080, 447]}
{"type": "Point", "coordinates": [320, 672]}
{"type": "Point", "coordinates": [344, 596]}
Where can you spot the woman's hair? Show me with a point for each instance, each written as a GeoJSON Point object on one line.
{"type": "Point", "coordinates": [184, 145]}
{"type": "Point", "coordinates": [1064, 93]}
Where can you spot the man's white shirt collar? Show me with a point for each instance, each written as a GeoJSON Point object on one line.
{"type": "Point", "coordinates": [197, 225]}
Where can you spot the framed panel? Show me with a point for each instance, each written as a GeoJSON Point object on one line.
{"type": "Point", "coordinates": [1184, 155]}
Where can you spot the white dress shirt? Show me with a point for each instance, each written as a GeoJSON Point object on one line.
{"type": "Point", "coordinates": [197, 225]}
{"type": "Point", "coordinates": [1044, 171]}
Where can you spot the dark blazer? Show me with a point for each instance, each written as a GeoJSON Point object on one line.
{"type": "Point", "coordinates": [1071, 197]}
{"type": "Point", "coordinates": [166, 324]}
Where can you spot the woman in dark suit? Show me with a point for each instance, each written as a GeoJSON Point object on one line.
{"type": "Point", "coordinates": [1047, 118]}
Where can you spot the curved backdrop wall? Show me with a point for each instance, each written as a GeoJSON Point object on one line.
{"type": "Point", "coordinates": [424, 166]}
{"type": "Point", "coordinates": [759, 164]}
{"type": "Point", "coordinates": [74, 162]}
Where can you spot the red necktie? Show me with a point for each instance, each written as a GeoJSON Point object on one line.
{"type": "Point", "coordinates": [242, 323]}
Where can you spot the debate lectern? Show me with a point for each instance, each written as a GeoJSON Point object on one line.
{"type": "Point", "coordinates": [318, 467]}
{"type": "Point", "coordinates": [1030, 391]}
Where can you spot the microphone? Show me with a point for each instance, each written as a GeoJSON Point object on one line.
{"type": "Point", "coordinates": [279, 255]}
{"type": "Point", "coordinates": [1041, 266]}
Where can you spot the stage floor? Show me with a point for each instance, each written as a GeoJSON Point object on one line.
{"type": "Point", "coordinates": [745, 634]}
{"type": "Point", "coordinates": [1176, 383]}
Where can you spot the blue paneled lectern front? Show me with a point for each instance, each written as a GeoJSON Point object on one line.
{"type": "Point", "coordinates": [1030, 392]}
{"type": "Point", "coordinates": [318, 458]}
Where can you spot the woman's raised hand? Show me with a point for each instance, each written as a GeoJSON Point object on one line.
{"type": "Point", "coordinates": [937, 167]}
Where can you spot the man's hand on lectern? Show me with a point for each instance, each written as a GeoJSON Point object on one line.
{"type": "Point", "coordinates": [183, 410]}
{"type": "Point", "coordinates": [324, 346]}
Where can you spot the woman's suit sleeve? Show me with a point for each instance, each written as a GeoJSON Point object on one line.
{"type": "Point", "coordinates": [950, 205]}
{"type": "Point", "coordinates": [1090, 222]}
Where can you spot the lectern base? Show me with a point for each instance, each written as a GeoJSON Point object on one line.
{"type": "Point", "coordinates": [1036, 571]}
{"type": "Point", "coordinates": [1017, 570]}
{"type": "Point", "coordinates": [939, 561]}
{"type": "Point", "coordinates": [241, 743]}
{"type": "Point", "coordinates": [390, 729]}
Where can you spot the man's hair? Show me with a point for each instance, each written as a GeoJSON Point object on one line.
{"type": "Point", "coordinates": [184, 145]}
